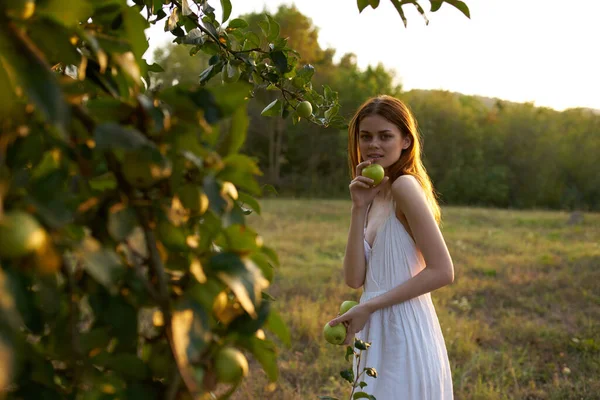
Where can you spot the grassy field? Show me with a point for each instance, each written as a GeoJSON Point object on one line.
{"type": "Point", "coordinates": [521, 320]}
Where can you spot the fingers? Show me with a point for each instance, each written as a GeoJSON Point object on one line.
{"type": "Point", "coordinates": [349, 339]}
{"type": "Point", "coordinates": [360, 167]}
{"type": "Point", "coordinates": [362, 182]}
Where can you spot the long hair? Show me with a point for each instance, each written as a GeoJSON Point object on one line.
{"type": "Point", "coordinates": [410, 162]}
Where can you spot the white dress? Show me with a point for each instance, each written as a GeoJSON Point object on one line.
{"type": "Point", "coordinates": [407, 345]}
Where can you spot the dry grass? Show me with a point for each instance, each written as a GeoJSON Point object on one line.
{"type": "Point", "coordinates": [521, 321]}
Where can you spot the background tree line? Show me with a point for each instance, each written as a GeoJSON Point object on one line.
{"type": "Point", "coordinates": [478, 150]}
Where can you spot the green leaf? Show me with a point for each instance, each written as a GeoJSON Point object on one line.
{"type": "Point", "coordinates": [243, 278]}
{"type": "Point", "coordinates": [231, 97]}
{"type": "Point", "coordinates": [276, 325]}
{"type": "Point", "coordinates": [66, 12]}
{"type": "Point", "coordinates": [361, 345]}
{"type": "Point", "coordinates": [274, 109]}
{"type": "Point", "coordinates": [57, 46]}
{"type": "Point", "coordinates": [238, 239]}
{"type": "Point", "coordinates": [264, 26]}
{"type": "Point", "coordinates": [362, 4]}
{"type": "Point", "coordinates": [109, 109]}
{"type": "Point", "coordinates": [34, 76]}
{"type": "Point", "coordinates": [208, 73]}
{"type": "Point", "coordinates": [332, 112]}
{"type": "Point", "coordinates": [374, 3]}
{"type": "Point", "coordinates": [155, 68]}
{"type": "Point", "coordinates": [190, 332]}
{"type": "Point", "coordinates": [226, 5]}
{"type": "Point", "coordinates": [306, 72]}
{"type": "Point", "coordinates": [241, 170]}
{"type": "Point", "coordinates": [126, 365]}
{"type": "Point", "coordinates": [398, 5]}
{"type": "Point", "coordinates": [111, 135]}
{"type": "Point", "coordinates": [97, 338]}
{"type": "Point", "coordinates": [135, 25]}
{"type": "Point", "coordinates": [349, 352]}
{"type": "Point", "coordinates": [264, 264]}
{"type": "Point", "coordinates": [361, 395]}
{"type": "Point", "coordinates": [273, 29]}
{"type": "Point", "coordinates": [362, 384]}
{"type": "Point", "coordinates": [461, 6]}
{"type": "Point", "coordinates": [252, 41]}
{"type": "Point", "coordinates": [280, 61]}
{"type": "Point", "coordinates": [248, 201]}
{"type": "Point", "coordinates": [435, 5]}
{"type": "Point", "coordinates": [103, 182]}
{"type": "Point", "coordinates": [121, 223]}
{"type": "Point", "coordinates": [265, 353]}
{"type": "Point", "coordinates": [348, 375]}
{"type": "Point", "coordinates": [103, 264]}
{"type": "Point", "coordinates": [237, 132]}
{"type": "Point", "coordinates": [269, 252]}
{"type": "Point", "coordinates": [238, 23]}
{"type": "Point", "coordinates": [185, 8]}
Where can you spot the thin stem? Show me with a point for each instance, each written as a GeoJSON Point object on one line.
{"type": "Point", "coordinates": [356, 375]}
{"type": "Point", "coordinates": [140, 273]}
{"type": "Point", "coordinates": [174, 385]}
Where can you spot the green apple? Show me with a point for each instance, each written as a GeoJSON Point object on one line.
{"type": "Point", "coordinates": [334, 334]}
{"type": "Point", "coordinates": [304, 109]}
{"type": "Point", "coordinates": [20, 234]}
{"type": "Point", "coordinates": [375, 172]}
{"type": "Point", "coordinates": [230, 365]}
{"type": "Point", "coordinates": [346, 305]}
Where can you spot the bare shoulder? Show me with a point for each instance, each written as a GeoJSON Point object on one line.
{"type": "Point", "coordinates": [406, 188]}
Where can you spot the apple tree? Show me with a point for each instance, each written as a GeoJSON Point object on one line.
{"type": "Point", "coordinates": [127, 268]}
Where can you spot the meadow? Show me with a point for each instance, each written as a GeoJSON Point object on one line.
{"type": "Point", "coordinates": [520, 321]}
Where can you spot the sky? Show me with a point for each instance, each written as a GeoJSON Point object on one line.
{"type": "Point", "coordinates": [540, 51]}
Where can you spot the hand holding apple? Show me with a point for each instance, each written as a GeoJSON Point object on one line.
{"type": "Point", "coordinates": [356, 318]}
{"type": "Point", "coordinates": [365, 186]}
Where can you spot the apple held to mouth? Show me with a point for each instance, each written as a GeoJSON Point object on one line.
{"type": "Point", "coordinates": [375, 172]}
{"type": "Point", "coordinates": [334, 334]}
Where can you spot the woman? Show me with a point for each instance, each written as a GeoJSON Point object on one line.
{"type": "Point", "coordinates": [396, 252]}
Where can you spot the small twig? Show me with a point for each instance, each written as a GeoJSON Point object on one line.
{"type": "Point", "coordinates": [257, 49]}
{"type": "Point", "coordinates": [74, 318]}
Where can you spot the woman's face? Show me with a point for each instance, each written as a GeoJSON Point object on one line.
{"type": "Point", "coordinates": [380, 141]}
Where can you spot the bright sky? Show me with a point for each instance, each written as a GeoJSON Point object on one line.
{"type": "Point", "coordinates": [520, 50]}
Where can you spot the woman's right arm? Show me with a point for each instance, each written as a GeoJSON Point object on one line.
{"type": "Point", "coordinates": [362, 194]}
{"type": "Point", "coordinates": [354, 259]}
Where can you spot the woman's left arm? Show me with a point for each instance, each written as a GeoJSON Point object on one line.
{"type": "Point", "coordinates": [438, 271]}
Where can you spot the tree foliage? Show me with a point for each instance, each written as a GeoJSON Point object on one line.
{"type": "Point", "coordinates": [130, 270]}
